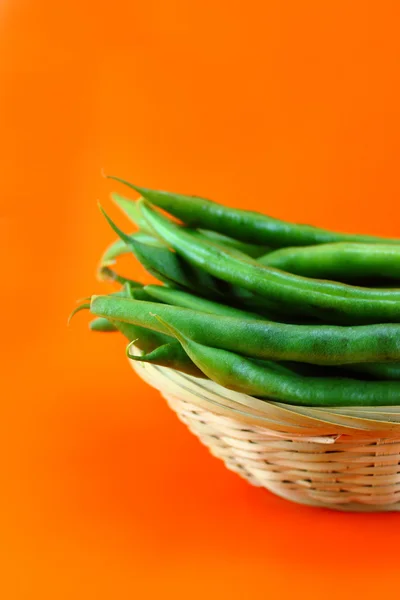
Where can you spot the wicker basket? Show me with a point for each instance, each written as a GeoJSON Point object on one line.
{"type": "Point", "coordinates": [346, 459]}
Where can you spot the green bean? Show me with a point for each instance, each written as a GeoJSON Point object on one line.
{"type": "Point", "coordinates": [103, 325]}
{"type": "Point", "coordinates": [167, 266]}
{"type": "Point", "coordinates": [130, 209]}
{"type": "Point", "coordinates": [186, 300]}
{"type": "Point", "coordinates": [176, 358]}
{"type": "Point", "coordinates": [229, 249]}
{"type": "Point", "coordinates": [253, 250]}
{"type": "Point", "coordinates": [267, 308]}
{"type": "Point", "coordinates": [170, 268]}
{"type": "Point", "coordinates": [173, 270]}
{"type": "Point", "coordinates": [146, 339]}
{"type": "Point", "coordinates": [85, 306]}
{"type": "Point", "coordinates": [113, 251]}
{"type": "Point", "coordinates": [248, 226]}
{"type": "Point", "coordinates": [120, 247]}
{"type": "Point", "coordinates": [316, 344]}
{"type": "Point", "coordinates": [107, 274]}
{"type": "Point", "coordinates": [143, 295]}
{"type": "Point", "coordinates": [264, 381]}
{"type": "Point", "coordinates": [338, 261]}
{"type": "Point", "coordinates": [170, 355]}
{"type": "Point", "coordinates": [316, 297]}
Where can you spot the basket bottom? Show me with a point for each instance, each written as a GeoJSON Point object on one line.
{"type": "Point", "coordinates": [349, 507]}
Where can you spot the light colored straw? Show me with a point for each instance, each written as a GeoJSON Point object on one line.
{"type": "Point", "coordinates": [346, 459]}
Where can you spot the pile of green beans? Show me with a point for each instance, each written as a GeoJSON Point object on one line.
{"type": "Point", "coordinates": [276, 310]}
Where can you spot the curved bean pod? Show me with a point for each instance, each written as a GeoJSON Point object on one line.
{"type": "Point", "coordinates": [103, 325]}
{"type": "Point", "coordinates": [264, 381]}
{"type": "Point", "coordinates": [121, 247]}
{"type": "Point", "coordinates": [130, 209]}
{"type": "Point", "coordinates": [145, 338]}
{"type": "Point", "coordinates": [316, 344]}
{"type": "Point", "coordinates": [172, 269]}
{"type": "Point", "coordinates": [107, 274]}
{"type": "Point", "coordinates": [323, 299]}
{"type": "Point", "coordinates": [165, 265]}
{"type": "Point", "coordinates": [342, 260]}
{"type": "Point", "coordinates": [248, 226]}
{"type": "Point", "coordinates": [186, 300]}
{"type": "Point", "coordinates": [253, 250]}
{"type": "Point", "coordinates": [170, 355]}
{"type": "Point", "coordinates": [143, 296]}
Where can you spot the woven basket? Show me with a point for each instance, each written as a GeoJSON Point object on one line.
{"type": "Point", "coordinates": [346, 459]}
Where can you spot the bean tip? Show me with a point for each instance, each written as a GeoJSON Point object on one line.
{"type": "Point", "coordinates": [137, 188]}
{"type": "Point", "coordinates": [128, 348]}
{"type": "Point", "coordinates": [76, 310]}
{"type": "Point", "coordinates": [104, 273]}
{"type": "Point", "coordinates": [127, 288]}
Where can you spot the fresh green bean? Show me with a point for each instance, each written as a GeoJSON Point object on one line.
{"type": "Point", "coordinates": [323, 299]}
{"type": "Point", "coordinates": [130, 209]}
{"type": "Point", "coordinates": [107, 274]}
{"type": "Point", "coordinates": [120, 247]}
{"type": "Point", "coordinates": [186, 300]}
{"type": "Point", "coordinates": [172, 269]}
{"type": "Point", "coordinates": [342, 260]}
{"type": "Point", "coordinates": [113, 251]}
{"type": "Point", "coordinates": [265, 381]}
{"type": "Point", "coordinates": [253, 250]}
{"type": "Point", "coordinates": [145, 339]}
{"type": "Point", "coordinates": [103, 325]}
{"type": "Point", "coordinates": [170, 355]}
{"type": "Point", "coordinates": [176, 358]}
{"type": "Point", "coordinates": [142, 295]}
{"type": "Point", "coordinates": [85, 306]}
{"type": "Point", "coordinates": [167, 266]}
{"type": "Point", "coordinates": [316, 344]}
{"type": "Point", "coordinates": [267, 308]}
{"type": "Point", "coordinates": [248, 226]}
{"type": "Point", "coordinates": [231, 250]}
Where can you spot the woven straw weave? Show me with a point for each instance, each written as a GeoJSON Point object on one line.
{"type": "Point", "coordinates": [346, 459]}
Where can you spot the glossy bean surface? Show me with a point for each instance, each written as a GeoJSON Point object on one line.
{"type": "Point", "coordinates": [244, 375]}
{"type": "Point", "coordinates": [316, 344]}
{"type": "Point", "coordinates": [340, 261]}
{"type": "Point", "coordinates": [248, 226]}
{"type": "Point", "coordinates": [324, 299]}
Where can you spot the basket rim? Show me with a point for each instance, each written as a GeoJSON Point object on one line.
{"type": "Point", "coordinates": [276, 416]}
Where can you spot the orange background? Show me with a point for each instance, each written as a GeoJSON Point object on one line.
{"type": "Point", "coordinates": [288, 107]}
